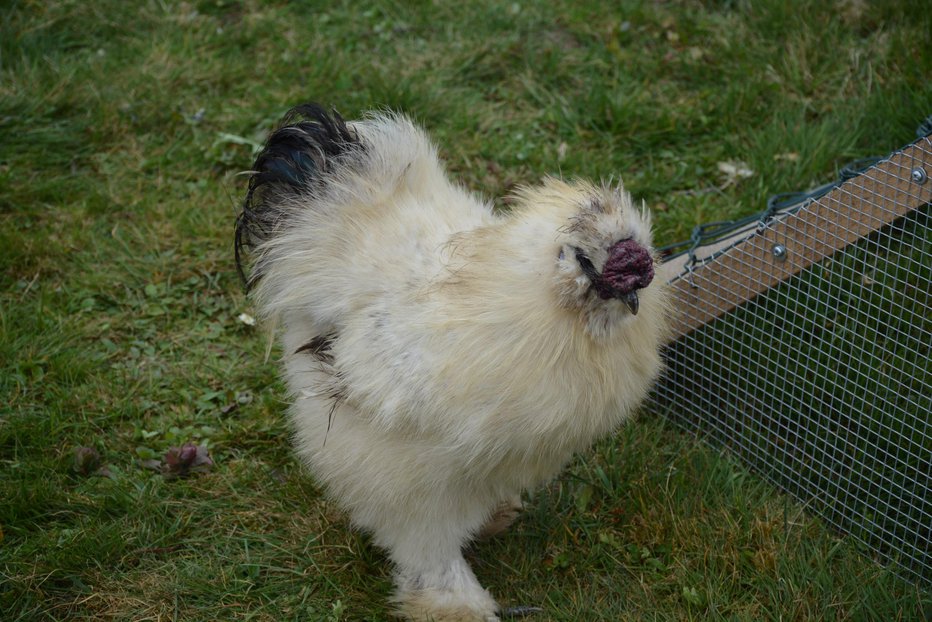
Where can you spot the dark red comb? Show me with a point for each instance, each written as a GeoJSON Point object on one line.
{"type": "Point", "coordinates": [629, 267]}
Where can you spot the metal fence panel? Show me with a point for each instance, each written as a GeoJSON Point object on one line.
{"type": "Point", "coordinates": [821, 380]}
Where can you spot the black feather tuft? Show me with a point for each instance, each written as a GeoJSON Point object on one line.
{"type": "Point", "coordinates": [320, 347]}
{"type": "Point", "coordinates": [297, 159]}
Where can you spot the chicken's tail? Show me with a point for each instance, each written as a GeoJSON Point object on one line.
{"type": "Point", "coordinates": [298, 160]}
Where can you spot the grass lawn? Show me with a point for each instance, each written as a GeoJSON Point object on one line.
{"type": "Point", "coordinates": [122, 129]}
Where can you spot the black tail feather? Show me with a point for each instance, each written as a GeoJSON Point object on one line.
{"type": "Point", "coordinates": [297, 159]}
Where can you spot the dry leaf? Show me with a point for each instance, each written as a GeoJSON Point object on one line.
{"type": "Point", "coordinates": [86, 460]}
{"type": "Point", "coordinates": [734, 171]}
{"type": "Point", "coordinates": [185, 460]}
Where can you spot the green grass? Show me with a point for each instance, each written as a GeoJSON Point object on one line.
{"type": "Point", "coordinates": [122, 129]}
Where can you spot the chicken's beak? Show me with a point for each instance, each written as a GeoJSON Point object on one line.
{"type": "Point", "coordinates": [631, 301]}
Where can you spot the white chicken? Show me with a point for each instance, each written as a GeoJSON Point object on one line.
{"type": "Point", "coordinates": [442, 357]}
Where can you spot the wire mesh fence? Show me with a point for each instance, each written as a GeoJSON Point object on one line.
{"type": "Point", "coordinates": [804, 347]}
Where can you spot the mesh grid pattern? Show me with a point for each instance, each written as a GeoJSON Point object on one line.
{"type": "Point", "coordinates": [823, 382]}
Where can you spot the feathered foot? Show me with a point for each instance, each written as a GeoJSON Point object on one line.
{"type": "Point", "coordinates": [448, 594]}
{"type": "Point", "coordinates": [504, 515]}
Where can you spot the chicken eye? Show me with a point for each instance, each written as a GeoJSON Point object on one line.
{"type": "Point", "coordinates": [586, 264]}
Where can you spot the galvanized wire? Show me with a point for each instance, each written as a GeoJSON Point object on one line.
{"type": "Point", "coordinates": [823, 383]}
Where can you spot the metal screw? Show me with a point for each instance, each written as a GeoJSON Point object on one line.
{"type": "Point", "coordinates": [779, 252]}
{"type": "Point", "coordinates": [919, 175]}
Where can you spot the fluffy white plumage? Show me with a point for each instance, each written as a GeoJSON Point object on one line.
{"type": "Point", "coordinates": [442, 357]}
